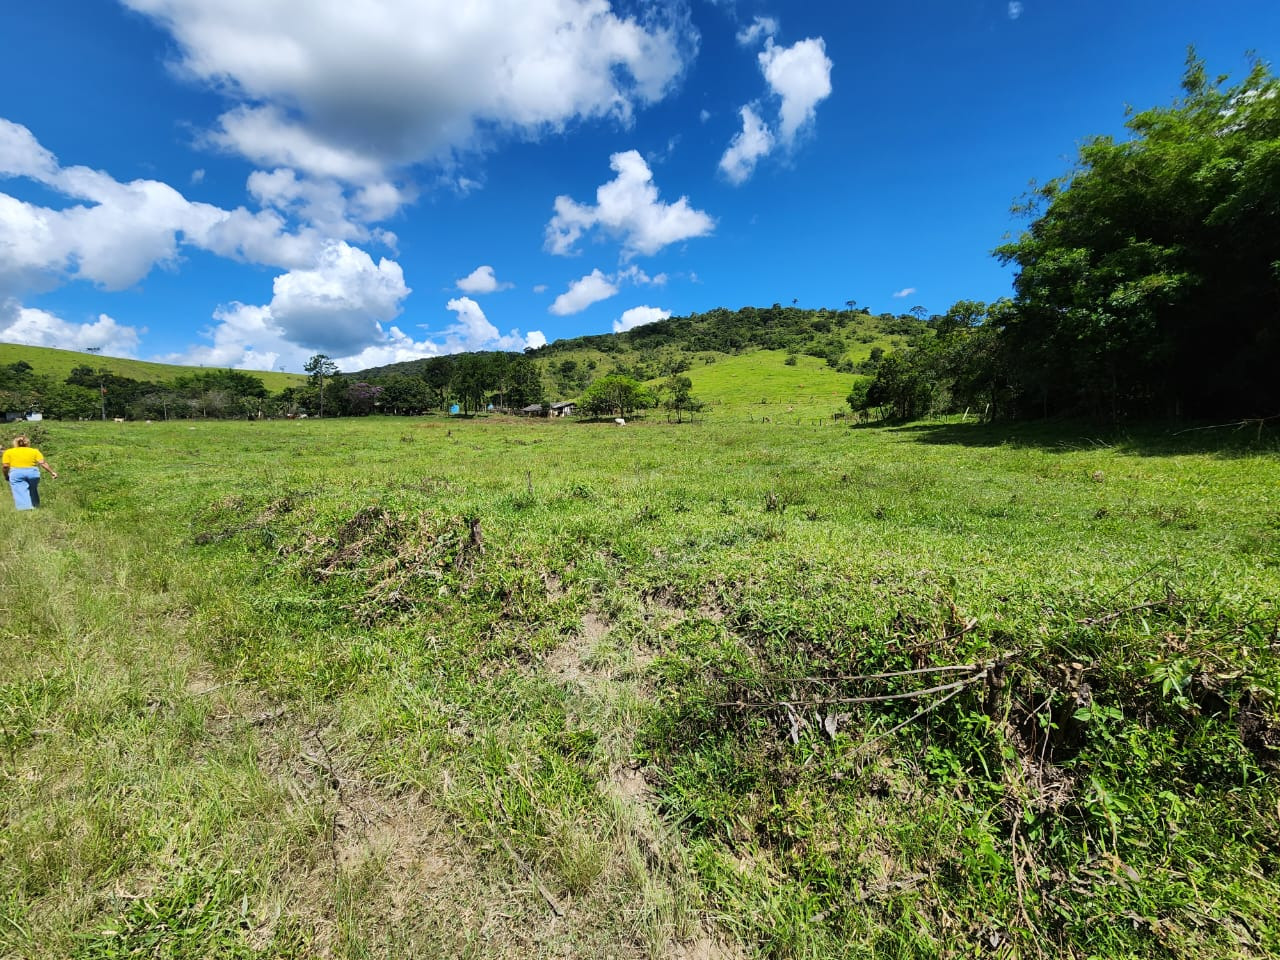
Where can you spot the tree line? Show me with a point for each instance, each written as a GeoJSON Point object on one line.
{"type": "Point", "coordinates": [471, 381]}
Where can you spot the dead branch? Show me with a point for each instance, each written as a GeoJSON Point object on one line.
{"type": "Point", "coordinates": [920, 713]}
{"type": "Point", "coordinates": [816, 701]}
{"type": "Point", "coordinates": [1238, 424]}
{"type": "Point", "coordinates": [519, 861]}
{"type": "Point", "coordinates": [1140, 576]}
{"type": "Point", "coordinates": [854, 678]}
{"type": "Point", "coordinates": [1117, 614]}
{"type": "Point", "coordinates": [977, 671]}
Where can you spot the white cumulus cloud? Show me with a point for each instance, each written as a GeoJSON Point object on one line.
{"type": "Point", "coordinates": [638, 317]}
{"type": "Point", "coordinates": [628, 208]}
{"type": "Point", "coordinates": [250, 337]}
{"type": "Point", "coordinates": [746, 148]}
{"type": "Point", "coordinates": [481, 280]}
{"type": "Point", "coordinates": [325, 204]}
{"type": "Point", "coordinates": [333, 297]}
{"type": "Point", "coordinates": [473, 331]}
{"type": "Point", "coordinates": [112, 234]}
{"type": "Point", "coordinates": [21, 155]}
{"type": "Point", "coordinates": [245, 337]}
{"type": "Point", "coordinates": [39, 328]}
{"type": "Point", "coordinates": [905, 292]}
{"type": "Point", "coordinates": [801, 76]}
{"type": "Point", "coordinates": [350, 90]}
{"type": "Point", "coordinates": [582, 293]}
{"type": "Point", "coordinates": [338, 304]}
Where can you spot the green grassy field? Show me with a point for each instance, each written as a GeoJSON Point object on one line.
{"type": "Point", "coordinates": [760, 384]}
{"type": "Point", "coordinates": [51, 362]}
{"type": "Point", "coordinates": [489, 688]}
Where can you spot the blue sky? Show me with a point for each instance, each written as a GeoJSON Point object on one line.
{"type": "Point", "coordinates": [246, 183]}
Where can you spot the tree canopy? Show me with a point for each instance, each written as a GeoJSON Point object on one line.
{"type": "Point", "coordinates": [615, 394]}
{"type": "Point", "coordinates": [1149, 281]}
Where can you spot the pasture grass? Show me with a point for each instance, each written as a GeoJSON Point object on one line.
{"type": "Point", "coordinates": [490, 688]}
{"type": "Point", "coordinates": [760, 385]}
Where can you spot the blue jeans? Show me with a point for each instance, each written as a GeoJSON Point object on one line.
{"type": "Point", "coordinates": [25, 484]}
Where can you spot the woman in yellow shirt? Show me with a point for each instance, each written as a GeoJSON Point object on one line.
{"type": "Point", "coordinates": [22, 463]}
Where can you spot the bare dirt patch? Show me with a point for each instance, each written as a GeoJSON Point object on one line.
{"type": "Point", "coordinates": [707, 947]}
{"type": "Point", "coordinates": [568, 662]}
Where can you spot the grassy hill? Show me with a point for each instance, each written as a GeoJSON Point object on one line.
{"type": "Point", "coordinates": [833, 340]}
{"type": "Point", "coordinates": [51, 362]}
{"type": "Point", "coordinates": [834, 334]}
{"type": "Point", "coordinates": [762, 384]}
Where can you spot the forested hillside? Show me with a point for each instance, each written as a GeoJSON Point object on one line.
{"type": "Point", "coordinates": [846, 341]}
{"type": "Point", "coordinates": [842, 341]}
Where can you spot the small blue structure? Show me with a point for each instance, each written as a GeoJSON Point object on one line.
{"type": "Point", "coordinates": [454, 408]}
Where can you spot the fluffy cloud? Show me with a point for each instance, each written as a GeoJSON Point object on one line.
{"type": "Point", "coordinates": [246, 337]}
{"type": "Point", "coordinates": [638, 317]}
{"type": "Point", "coordinates": [582, 293]}
{"type": "Point", "coordinates": [332, 296]}
{"type": "Point", "coordinates": [747, 147]}
{"type": "Point", "coordinates": [597, 286]}
{"type": "Point", "coordinates": [396, 346]}
{"type": "Point", "coordinates": [39, 328]}
{"type": "Point", "coordinates": [905, 292]}
{"type": "Point", "coordinates": [627, 207]}
{"type": "Point", "coordinates": [21, 155]}
{"type": "Point", "coordinates": [473, 331]}
{"type": "Point", "coordinates": [760, 27]}
{"type": "Point", "coordinates": [634, 274]}
{"type": "Point", "coordinates": [251, 337]}
{"type": "Point", "coordinates": [339, 304]}
{"type": "Point", "coordinates": [330, 209]}
{"type": "Point", "coordinates": [114, 233]}
{"type": "Point", "coordinates": [799, 76]}
{"type": "Point", "coordinates": [481, 280]}
{"type": "Point", "coordinates": [350, 90]}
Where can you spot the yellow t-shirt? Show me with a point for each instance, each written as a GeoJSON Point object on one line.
{"type": "Point", "coordinates": [20, 457]}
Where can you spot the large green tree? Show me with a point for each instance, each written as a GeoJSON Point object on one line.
{"type": "Point", "coordinates": [1149, 281]}
{"type": "Point", "coordinates": [615, 394]}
